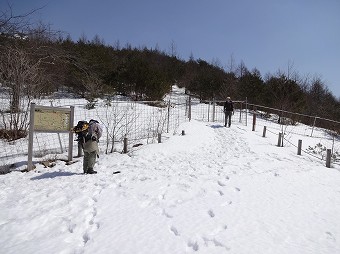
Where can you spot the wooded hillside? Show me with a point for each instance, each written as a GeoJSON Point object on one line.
{"type": "Point", "coordinates": [37, 62]}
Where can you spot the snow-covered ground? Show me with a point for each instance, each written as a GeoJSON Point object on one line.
{"type": "Point", "coordinates": [212, 190]}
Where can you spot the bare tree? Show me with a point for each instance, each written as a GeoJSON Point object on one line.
{"type": "Point", "coordinates": [23, 69]}
{"type": "Point", "coordinates": [231, 64]}
{"type": "Point", "coordinates": [11, 23]}
{"type": "Point", "coordinates": [22, 75]}
{"type": "Point", "coordinates": [157, 123]}
{"type": "Point", "coordinates": [94, 87]}
{"type": "Point", "coordinates": [98, 41]}
{"type": "Point", "coordinates": [118, 121]}
{"type": "Point", "coordinates": [241, 70]}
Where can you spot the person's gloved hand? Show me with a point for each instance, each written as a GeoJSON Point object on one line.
{"type": "Point", "coordinates": [94, 138]}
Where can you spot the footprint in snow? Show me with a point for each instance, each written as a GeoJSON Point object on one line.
{"type": "Point", "coordinates": [174, 230]}
{"type": "Point", "coordinates": [227, 203]}
{"type": "Point", "coordinates": [211, 213]}
{"type": "Point", "coordinates": [71, 227]}
{"type": "Point", "coordinates": [161, 196]}
{"type": "Point", "coordinates": [330, 236]}
{"type": "Point", "coordinates": [220, 183]}
{"type": "Point", "coordinates": [86, 238]}
{"type": "Point", "coordinates": [193, 245]}
{"type": "Point", "coordinates": [215, 242]}
{"type": "Point", "coordinates": [166, 214]}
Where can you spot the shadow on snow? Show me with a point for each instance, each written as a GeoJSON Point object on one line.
{"type": "Point", "coordinates": [50, 175]}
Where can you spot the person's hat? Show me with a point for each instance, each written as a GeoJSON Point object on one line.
{"type": "Point", "coordinates": [228, 98]}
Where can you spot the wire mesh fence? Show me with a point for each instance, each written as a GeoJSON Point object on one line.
{"type": "Point", "coordinates": [142, 122]}
{"type": "Point", "coordinates": [296, 123]}
{"type": "Point", "coordinates": [137, 121]}
{"type": "Point", "coordinates": [319, 134]}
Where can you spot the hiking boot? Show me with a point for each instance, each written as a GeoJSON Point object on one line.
{"type": "Point", "coordinates": [91, 171]}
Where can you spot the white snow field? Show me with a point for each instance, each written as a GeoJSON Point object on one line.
{"type": "Point", "coordinates": [212, 190]}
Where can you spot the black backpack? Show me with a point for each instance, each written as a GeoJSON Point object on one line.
{"type": "Point", "coordinates": [81, 130]}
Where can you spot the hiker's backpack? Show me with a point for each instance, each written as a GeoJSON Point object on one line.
{"type": "Point", "coordinates": [81, 130]}
{"type": "Point", "coordinates": [86, 131]}
{"type": "Point", "coordinates": [95, 131]}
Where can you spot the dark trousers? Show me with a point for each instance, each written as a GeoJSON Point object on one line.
{"type": "Point", "coordinates": [89, 161]}
{"type": "Point", "coordinates": [228, 118]}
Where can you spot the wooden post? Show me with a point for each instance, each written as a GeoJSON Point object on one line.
{"type": "Point", "coordinates": [209, 112]}
{"type": "Point", "coordinates": [70, 135]}
{"type": "Point", "coordinates": [240, 112]}
{"type": "Point", "coordinates": [159, 138]}
{"type": "Point", "coordinates": [189, 115]}
{"type": "Point", "coordinates": [30, 138]}
{"type": "Point", "coordinates": [279, 141]}
{"type": "Point", "coordinates": [328, 158]}
{"type": "Point", "coordinates": [264, 131]}
{"type": "Point", "coordinates": [214, 106]}
{"type": "Point", "coordinates": [168, 123]}
{"type": "Point", "coordinates": [254, 121]}
{"type": "Point", "coordinates": [299, 147]}
{"type": "Point", "coordinates": [125, 144]}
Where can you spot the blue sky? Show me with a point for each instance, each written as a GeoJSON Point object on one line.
{"type": "Point", "coordinates": [267, 34]}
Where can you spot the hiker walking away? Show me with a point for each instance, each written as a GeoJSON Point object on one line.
{"type": "Point", "coordinates": [90, 146]}
{"type": "Point", "coordinates": [228, 111]}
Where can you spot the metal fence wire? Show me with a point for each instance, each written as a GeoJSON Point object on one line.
{"type": "Point", "coordinates": [142, 122]}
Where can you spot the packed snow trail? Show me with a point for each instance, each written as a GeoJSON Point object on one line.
{"type": "Point", "coordinates": [213, 190]}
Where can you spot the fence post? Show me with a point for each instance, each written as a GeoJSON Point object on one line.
{"type": "Point", "coordinates": [70, 136]}
{"type": "Point", "coordinates": [299, 147]}
{"type": "Point", "coordinates": [328, 158]}
{"type": "Point", "coordinates": [279, 141]}
{"type": "Point", "coordinates": [214, 105]}
{"type": "Point", "coordinates": [125, 144]}
{"type": "Point", "coordinates": [240, 112]}
{"type": "Point", "coordinates": [189, 113]}
{"type": "Point", "coordinates": [264, 131]}
{"type": "Point", "coordinates": [254, 121]}
{"type": "Point", "coordinates": [209, 111]}
{"type": "Point", "coordinates": [30, 138]}
{"type": "Point", "coordinates": [159, 138]}
{"type": "Point", "coordinates": [167, 128]}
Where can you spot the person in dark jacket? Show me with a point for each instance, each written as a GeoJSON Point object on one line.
{"type": "Point", "coordinates": [228, 111]}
